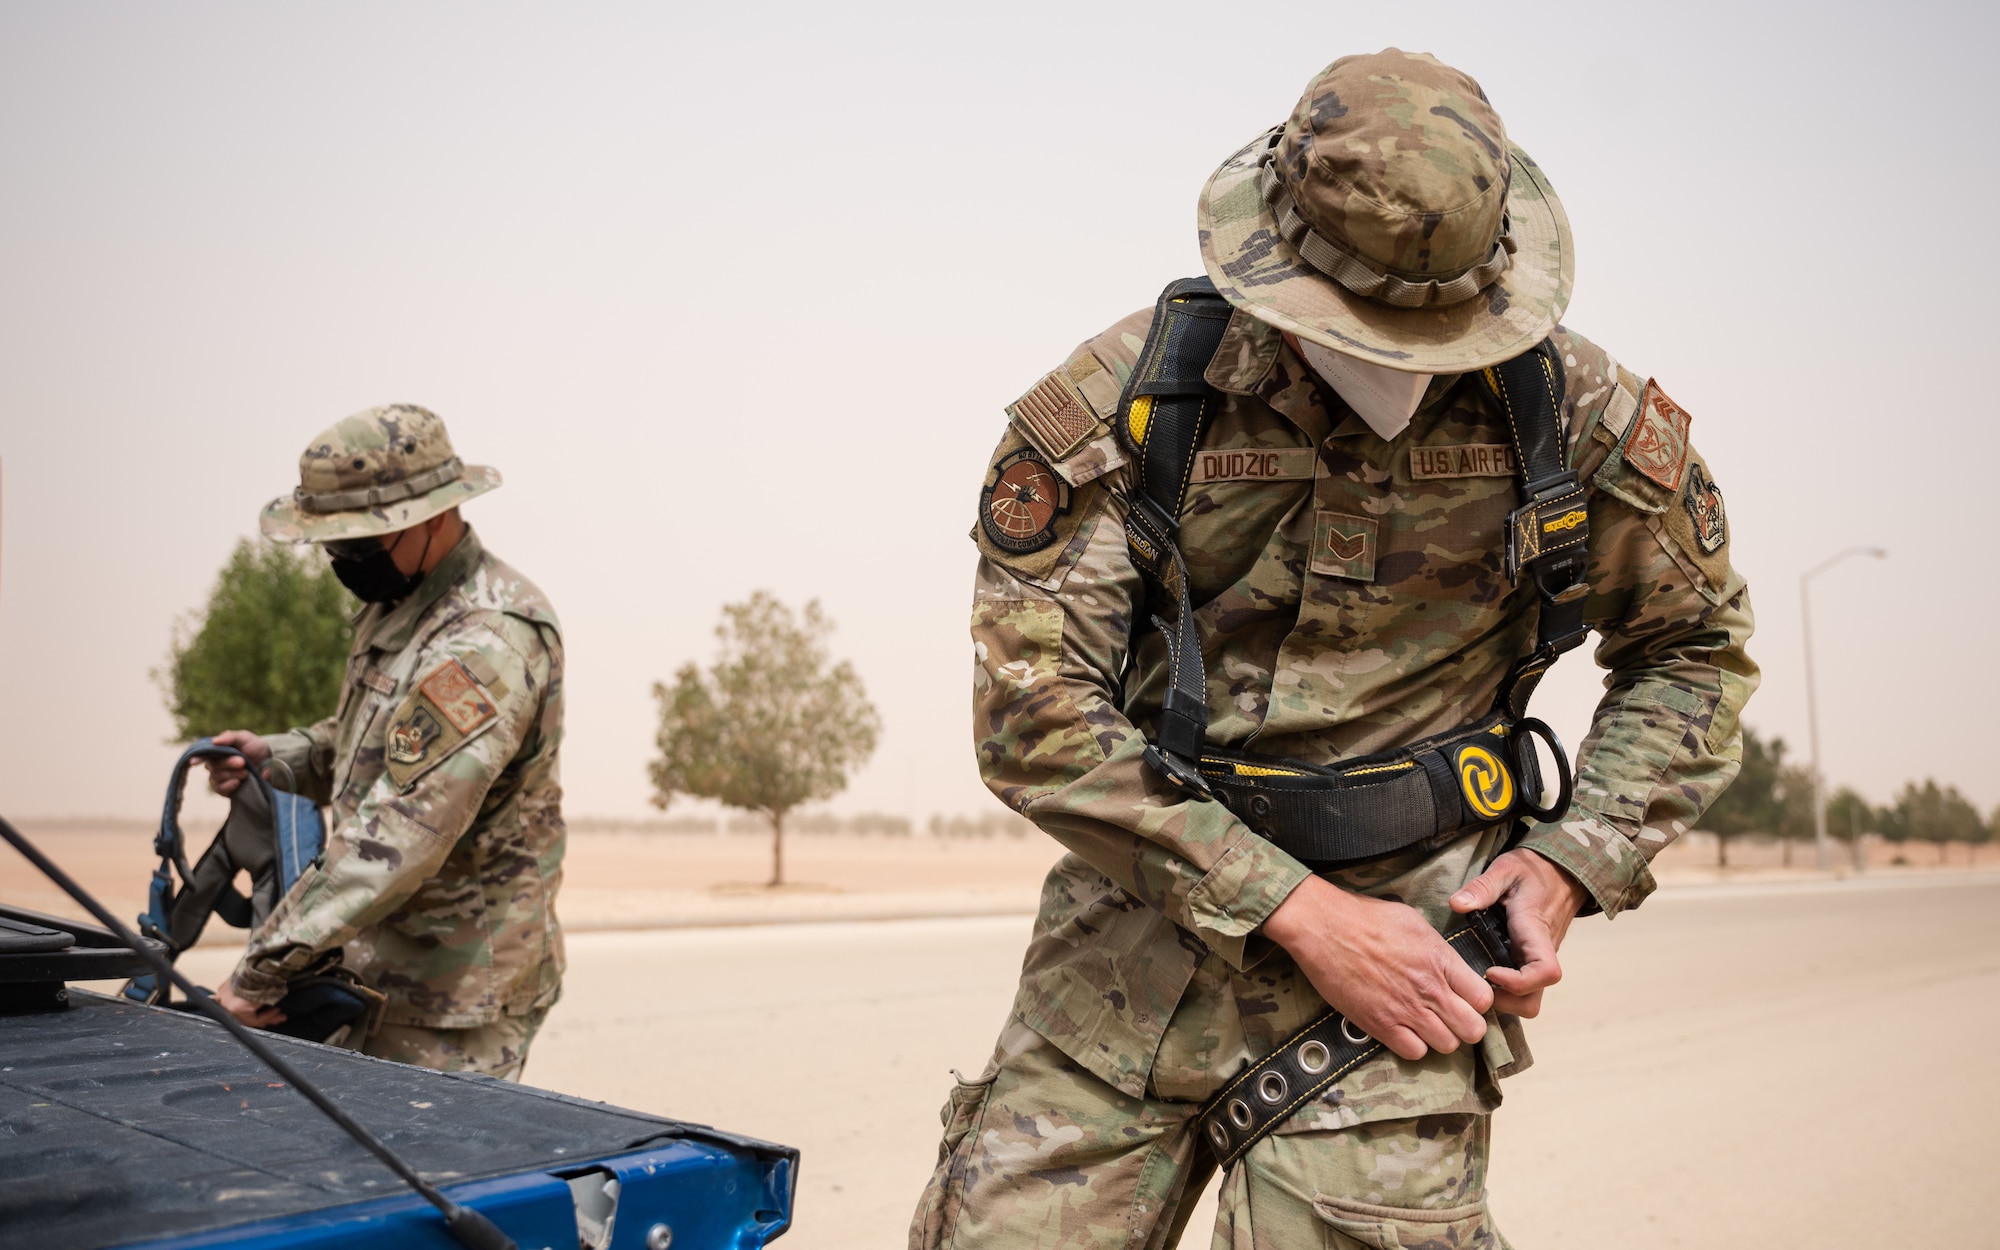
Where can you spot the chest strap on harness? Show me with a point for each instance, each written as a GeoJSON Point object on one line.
{"type": "Point", "coordinates": [1428, 792]}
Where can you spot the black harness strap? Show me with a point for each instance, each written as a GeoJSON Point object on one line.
{"type": "Point", "coordinates": [1266, 1093]}
{"type": "Point", "coordinates": [1161, 416]}
{"type": "Point", "coordinates": [1548, 535]}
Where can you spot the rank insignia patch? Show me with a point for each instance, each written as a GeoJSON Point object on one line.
{"type": "Point", "coordinates": [1658, 443]}
{"type": "Point", "coordinates": [459, 698]}
{"type": "Point", "coordinates": [410, 739]}
{"type": "Point", "coordinates": [1343, 546]}
{"type": "Point", "coordinates": [1022, 502]}
{"type": "Point", "coordinates": [1703, 501]}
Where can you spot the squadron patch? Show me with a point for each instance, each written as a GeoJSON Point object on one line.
{"type": "Point", "coordinates": [1703, 501]}
{"type": "Point", "coordinates": [1658, 443]}
{"type": "Point", "coordinates": [457, 697]}
{"type": "Point", "coordinates": [1022, 503]}
{"type": "Point", "coordinates": [410, 739]}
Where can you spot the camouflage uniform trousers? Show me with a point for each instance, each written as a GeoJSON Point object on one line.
{"type": "Point", "coordinates": [1039, 1154]}
{"type": "Point", "coordinates": [499, 1049]}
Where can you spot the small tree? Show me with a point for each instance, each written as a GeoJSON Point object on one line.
{"type": "Point", "coordinates": [1940, 815]}
{"type": "Point", "coordinates": [1794, 794]}
{"type": "Point", "coordinates": [1848, 816]}
{"type": "Point", "coordinates": [770, 726]}
{"type": "Point", "coordinates": [1753, 803]}
{"type": "Point", "coordinates": [267, 652]}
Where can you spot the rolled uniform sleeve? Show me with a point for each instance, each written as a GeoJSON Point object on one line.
{"type": "Point", "coordinates": [1675, 621]}
{"type": "Point", "coordinates": [1050, 640]}
{"type": "Point", "coordinates": [444, 755]}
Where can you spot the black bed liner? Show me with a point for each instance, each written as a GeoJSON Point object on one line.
{"type": "Point", "coordinates": [121, 1123]}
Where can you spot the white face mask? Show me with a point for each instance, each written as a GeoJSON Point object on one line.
{"type": "Point", "coordinates": [1385, 398]}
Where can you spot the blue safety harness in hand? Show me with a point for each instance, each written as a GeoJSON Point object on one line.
{"type": "Point", "coordinates": [271, 835]}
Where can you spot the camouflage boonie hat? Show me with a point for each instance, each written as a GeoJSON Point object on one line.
{"type": "Point", "coordinates": [1390, 219]}
{"type": "Point", "coordinates": [376, 472]}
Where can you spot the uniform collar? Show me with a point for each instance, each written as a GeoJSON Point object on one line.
{"type": "Point", "coordinates": [389, 628]}
{"type": "Point", "coordinates": [1252, 359]}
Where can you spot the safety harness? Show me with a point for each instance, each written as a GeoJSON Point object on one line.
{"type": "Point", "coordinates": [273, 836]}
{"type": "Point", "coordinates": [1416, 796]}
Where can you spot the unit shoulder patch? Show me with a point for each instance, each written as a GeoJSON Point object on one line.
{"type": "Point", "coordinates": [1657, 445]}
{"type": "Point", "coordinates": [447, 709]}
{"type": "Point", "coordinates": [1029, 514]}
{"type": "Point", "coordinates": [454, 693]}
{"type": "Point", "coordinates": [1054, 416]}
{"type": "Point", "coordinates": [1022, 502]}
{"type": "Point", "coordinates": [1703, 501]}
{"type": "Point", "coordinates": [410, 739]}
{"type": "Point", "coordinates": [1696, 529]}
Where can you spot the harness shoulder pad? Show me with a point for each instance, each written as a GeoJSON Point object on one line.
{"type": "Point", "coordinates": [1163, 407]}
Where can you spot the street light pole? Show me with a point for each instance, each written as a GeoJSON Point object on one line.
{"type": "Point", "coordinates": [1812, 702]}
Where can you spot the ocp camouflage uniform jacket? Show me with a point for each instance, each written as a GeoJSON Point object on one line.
{"type": "Point", "coordinates": [440, 872]}
{"type": "Point", "coordinates": [1321, 647]}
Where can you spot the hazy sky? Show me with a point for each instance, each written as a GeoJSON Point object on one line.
{"type": "Point", "coordinates": [734, 295]}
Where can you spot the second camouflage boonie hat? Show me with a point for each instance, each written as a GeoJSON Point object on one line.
{"type": "Point", "coordinates": [1391, 220]}
{"type": "Point", "coordinates": [376, 472]}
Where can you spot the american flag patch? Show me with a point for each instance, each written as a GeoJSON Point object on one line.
{"type": "Point", "coordinates": [1054, 416]}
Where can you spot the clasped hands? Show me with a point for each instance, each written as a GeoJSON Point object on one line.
{"type": "Point", "coordinates": [1380, 964]}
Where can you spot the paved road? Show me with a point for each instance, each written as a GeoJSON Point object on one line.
{"type": "Point", "coordinates": [1735, 1066]}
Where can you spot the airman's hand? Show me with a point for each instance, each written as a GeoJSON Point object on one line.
{"type": "Point", "coordinates": [225, 775]}
{"type": "Point", "coordinates": [253, 1014]}
{"type": "Point", "coordinates": [1541, 900]}
{"type": "Point", "coordinates": [1382, 966]}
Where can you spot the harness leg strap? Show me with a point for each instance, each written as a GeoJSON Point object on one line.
{"type": "Point", "coordinates": [1268, 1092]}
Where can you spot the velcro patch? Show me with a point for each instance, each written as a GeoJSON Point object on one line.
{"type": "Point", "coordinates": [1022, 502]}
{"type": "Point", "coordinates": [1468, 460]}
{"type": "Point", "coordinates": [1703, 501]}
{"type": "Point", "coordinates": [1658, 443]}
{"type": "Point", "coordinates": [411, 738]}
{"type": "Point", "coordinates": [1095, 383]}
{"type": "Point", "coordinates": [1254, 464]}
{"type": "Point", "coordinates": [1054, 416]}
{"type": "Point", "coordinates": [457, 697]}
{"type": "Point", "coordinates": [1344, 546]}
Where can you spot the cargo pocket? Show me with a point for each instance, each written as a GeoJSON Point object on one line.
{"type": "Point", "coordinates": [937, 1210]}
{"type": "Point", "coordinates": [1468, 1227]}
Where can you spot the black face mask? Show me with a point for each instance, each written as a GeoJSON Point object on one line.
{"type": "Point", "coordinates": [369, 572]}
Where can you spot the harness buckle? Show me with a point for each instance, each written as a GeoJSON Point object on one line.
{"type": "Point", "coordinates": [1179, 773]}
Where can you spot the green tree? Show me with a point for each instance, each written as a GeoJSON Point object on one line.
{"type": "Point", "coordinates": [772, 724]}
{"type": "Point", "coordinates": [1848, 816]}
{"type": "Point", "coordinates": [267, 652]}
{"type": "Point", "coordinates": [1794, 794]}
{"type": "Point", "coordinates": [1935, 814]}
{"type": "Point", "coordinates": [1754, 802]}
